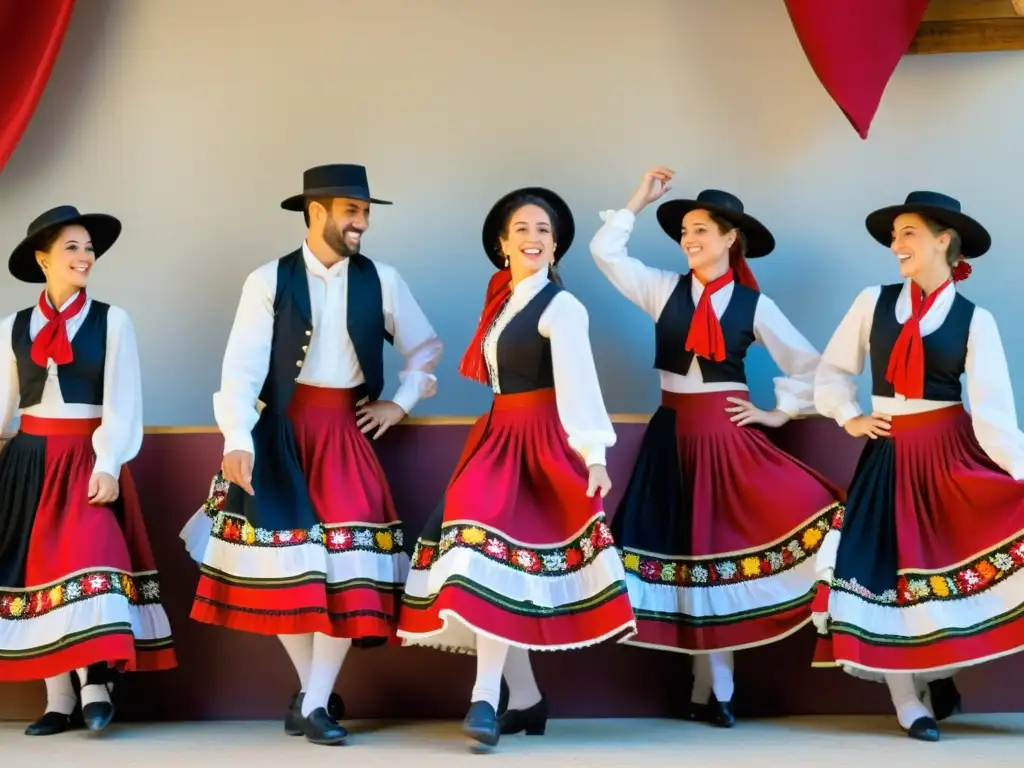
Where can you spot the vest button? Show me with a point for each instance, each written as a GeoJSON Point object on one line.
{"type": "Point", "coordinates": [298, 363]}
{"type": "Point", "coordinates": [305, 349]}
{"type": "Point", "coordinates": [309, 333]}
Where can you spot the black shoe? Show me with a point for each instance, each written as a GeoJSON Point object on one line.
{"type": "Point", "coordinates": [924, 729]}
{"type": "Point", "coordinates": [318, 728]}
{"type": "Point", "coordinates": [97, 715]}
{"type": "Point", "coordinates": [293, 717]}
{"type": "Point", "coordinates": [481, 725]}
{"type": "Point", "coordinates": [50, 724]}
{"type": "Point", "coordinates": [945, 698]}
{"type": "Point", "coordinates": [532, 721]}
{"type": "Point", "coordinates": [720, 714]}
{"type": "Point", "coordinates": [697, 713]}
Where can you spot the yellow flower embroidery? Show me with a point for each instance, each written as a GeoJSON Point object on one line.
{"type": "Point", "coordinates": [751, 566]}
{"type": "Point", "coordinates": [56, 596]}
{"type": "Point", "coordinates": [811, 538]}
{"type": "Point", "coordinates": [384, 540]}
{"type": "Point", "coordinates": [631, 562]}
{"type": "Point", "coordinates": [473, 536]}
{"type": "Point", "coordinates": [939, 586]}
{"type": "Point", "coordinates": [248, 533]}
{"type": "Point", "coordinates": [17, 606]}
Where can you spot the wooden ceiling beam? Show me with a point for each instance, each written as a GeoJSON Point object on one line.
{"type": "Point", "coordinates": [970, 26]}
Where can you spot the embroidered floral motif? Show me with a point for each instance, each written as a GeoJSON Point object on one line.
{"type": "Point", "coordinates": [548, 561]}
{"type": "Point", "coordinates": [31, 604]}
{"type": "Point", "coordinates": [741, 568]}
{"type": "Point", "coordinates": [914, 588]}
{"type": "Point", "coordinates": [237, 530]}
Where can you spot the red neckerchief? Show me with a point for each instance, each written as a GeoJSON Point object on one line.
{"type": "Point", "coordinates": [705, 337]}
{"type": "Point", "coordinates": [52, 341]}
{"type": "Point", "coordinates": [906, 361]}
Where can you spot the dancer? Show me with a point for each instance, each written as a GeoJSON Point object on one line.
{"type": "Point", "coordinates": [927, 576]}
{"type": "Point", "coordinates": [717, 527]}
{"type": "Point", "coordinates": [518, 555]}
{"type": "Point", "coordinates": [79, 591]}
{"type": "Point", "coordinates": [299, 537]}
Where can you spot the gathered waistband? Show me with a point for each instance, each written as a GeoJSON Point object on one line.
{"type": "Point", "coordinates": [40, 427]}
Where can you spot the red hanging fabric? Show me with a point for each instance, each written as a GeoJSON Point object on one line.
{"type": "Point", "coordinates": [31, 33]}
{"type": "Point", "coordinates": [854, 46]}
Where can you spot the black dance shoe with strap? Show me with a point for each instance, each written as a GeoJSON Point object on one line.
{"type": "Point", "coordinates": [50, 724]}
{"type": "Point", "coordinates": [293, 717]}
{"type": "Point", "coordinates": [532, 721]}
{"type": "Point", "coordinates": [319, 728]}
{"type": "Point", "coordinates": [924, 729]}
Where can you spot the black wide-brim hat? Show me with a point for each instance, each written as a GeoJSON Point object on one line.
{"type": "Point", "coordinates": [339, 180]}
{"type": "Point", "coordinates": [760, 241]}
{"type": "Point", "coordinates": [564, 225]}
{"type": "Point", "coordinates": [974, 238]}
{"type": "Point", "coordinates": [103, 230]}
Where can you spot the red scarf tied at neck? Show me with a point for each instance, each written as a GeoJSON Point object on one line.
{"type": "Point", "coordinates": [499, 289]}
{"type": "Point", "coordinates": [705, 338]}
{"type": "Point", "coordinates": [906, 361]}
{"type": "Point", "coordinates": [52, 343]}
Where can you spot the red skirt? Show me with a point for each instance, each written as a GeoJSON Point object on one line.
{"type": "Point", "coordinates": [929, 572]}
{"type": "Point", "coordinates": [718, 529]}
{"type": "Point", "coordinates": [517, 550]}
{"type": "Point", "coordinates": [78, 584]}
{"type": "Point", "coordinates": [341, 575]}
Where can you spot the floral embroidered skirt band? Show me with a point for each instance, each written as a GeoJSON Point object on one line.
{"type": "Point", "coordinates": [319, 546]}
{"type": "Point", "coordinates": [78, 584]}
{"type": "Point", "coordinates": [516, 550]}
{"type": "Point", "coordinates": [928, 572]}
{"type": "Point", "coordinates": [719, 530]}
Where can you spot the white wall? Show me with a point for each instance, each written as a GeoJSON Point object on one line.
{"type": "Point", "coordinates": [192, 119]}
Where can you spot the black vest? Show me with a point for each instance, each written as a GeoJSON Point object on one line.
{"type": "Point", "coordinates": [945, 349]}
{"type": "Point", "coordinates": [293, 327]}
{"type": "Point", "coordinates": [673, 326]}
{"type": "Point", "coordinates": [81, 380]}
{"type": "Point", "coordinates": [524, 356]}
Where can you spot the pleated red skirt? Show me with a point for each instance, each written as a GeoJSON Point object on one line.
{"type": "Point", "coordinates": [341, 576]}
{"type": "Point", "coordinates": [78, 583]}
{"type": "Point", "coordinates": [517, 550]}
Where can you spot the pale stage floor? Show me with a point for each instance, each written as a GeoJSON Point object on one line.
{"type": "Point", "coordinates": [868, 742]}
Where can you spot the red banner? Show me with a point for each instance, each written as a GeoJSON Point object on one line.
{"type": "Point", "coordinates": [31, 33]}
{"type": "Point", "coordinates": [854, 47]}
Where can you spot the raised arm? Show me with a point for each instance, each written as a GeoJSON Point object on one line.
{"type": "Point", "coordinates": [990, 393]}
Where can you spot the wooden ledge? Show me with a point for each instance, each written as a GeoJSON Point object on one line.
{"type": "Point", "coordinates": [970, 26]}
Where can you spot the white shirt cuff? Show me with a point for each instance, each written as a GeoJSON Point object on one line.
{"type": "Point", "coordinates": [239, 441]}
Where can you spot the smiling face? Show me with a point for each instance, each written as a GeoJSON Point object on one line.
{"type": "Point", "coordinates": [341, 222]}
{"type": "Point", "coordinates": [923, 246]}
{"type": "Point", "coordinates": [706, 242]}
{"type": "Point", "coordinates": [67, 257]}
{"type": "Point", "coordinates": [528, 240]}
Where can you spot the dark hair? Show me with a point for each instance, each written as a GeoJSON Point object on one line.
{"type": "Point", "coordinates": [739, 248]}
{"type": "Point", "coordinates": [326, 202]}
{"type": "Point", "coordinates": [521, 201]}
{"type": "Point", "coordinates": [45, 240]}
{"type": "Point", "coordinates": [955, 250]}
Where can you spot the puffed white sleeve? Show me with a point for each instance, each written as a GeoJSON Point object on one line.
{"type": "Point", "coordinates": [9, 389]}
{"type": "Point", "coordinates": [835, 388]}
{"type": "Point", "coordinates": [793, 353]}
{"type": "Point", "coordinates": [246, 361]}
{"type": "Point", "coordinates": [647, 287]}
{"type": "Point", "coordinates": [578, 395]}
{"type": "Point", "coordinates": [415, 340]}
{"type": "Point", "coordinates": [993, 413]}
{"type": "Point", "coordinates": [119, 437]}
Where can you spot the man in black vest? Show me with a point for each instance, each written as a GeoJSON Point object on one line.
{"type": "Point", "coordinates": [304, 541]}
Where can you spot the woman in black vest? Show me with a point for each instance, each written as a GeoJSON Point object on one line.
{"type": "Point", "coordinates": [78, 586]}
{"type": "Point", "coordinates": [718, 527]}
{"type": "Point", "coordinates": [928, 573]}
{"type": "Point", "coordinates": [518, 555]}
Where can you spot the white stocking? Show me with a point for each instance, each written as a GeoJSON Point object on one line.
{"type": "Point", "coordinates": [490, 660]}
{"type": "Point", "coordinates": [701, 693]}
{"type": "Point", "coordinates": [523, 692]}
{"type": "Point", "coordinates": [94, 693]}
{"type": "Point", "coordinates": [328, 656]}
{"type": "Point", "coordinates": [905, 698]}
{"type": "Point", "coordinates": [300, 651]}
{"type": "Point", "coordinates": [721, 675]}
{"type": "Point", "coordinates": [60, 696]}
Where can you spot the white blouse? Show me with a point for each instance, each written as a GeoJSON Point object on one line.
{"type": "Point", "coordinates": [650, 289]}
{"type": "Point", "coordinates": [989, 392]}
{"type": "Point", "coordinates": [566, 324]}
{"type": "Point", "coordinates": [331, 358]}
{"type": "Point", "coordinates": [119, 437]}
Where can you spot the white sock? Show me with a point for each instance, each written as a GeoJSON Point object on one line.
{"type": "Point", "coordinates": [490, 661]}
{"type": "Point", "coordinates": [60, 696]}
{"type": "Point", "coordinates": [904, 697]}
{"type": "Point", "coordinates": [328, 656]}
{"type": "Point", "coordinates": [523, 692]}
{"type": "Point", "coordinates": [721, 675]}
{"type": "Point", "coordinates": [701, 693]}
{"type": "Point", "coordinates": [93, 693]}
{"type": "Point", "coordinates": [300, 651]}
